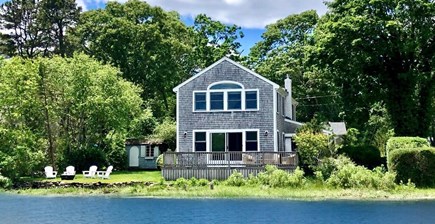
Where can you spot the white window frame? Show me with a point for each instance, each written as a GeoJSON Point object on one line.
{"type": "Point", "coordinates": [225, 98]}
{"type": "Point", "coordinates": [210, 131]}
{"type": "Point", "coordinates": [194, 140]}
{"type": "Point", "coordinates": [148, 151]}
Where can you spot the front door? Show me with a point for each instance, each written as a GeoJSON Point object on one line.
{"type": "Point", "coordinates": [235, 144]}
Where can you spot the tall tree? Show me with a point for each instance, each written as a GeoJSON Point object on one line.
{"type": "Point", "coordinates": [283, 51]}
{"type": "Point", "coordinates": [56, 17]}
{"type": "Point", "coordinates": [23, 33]}
{"type": "Point", "coordinates": [37, 27]}
{"type": "Point", "coordinates": [381, 50]}
{"type": "Point", "coordinates": [214, 40]}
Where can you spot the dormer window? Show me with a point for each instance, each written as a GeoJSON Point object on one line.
{"type": "Point", "coordinates": [225, 96]}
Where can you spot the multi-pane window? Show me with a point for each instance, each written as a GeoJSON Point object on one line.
{"type": "Point", "coordinates": [251, 100]}
{"type": "Point", "coordinates": [200, 142]}
{"type": "Point", "coordinates": [200, 101]}
{"type": "Point", "coordinates": [251, 141]}
{"type": "Point", "coordinates": [226, 97]}
{"type": "Point", "coordinates": [149, 151]}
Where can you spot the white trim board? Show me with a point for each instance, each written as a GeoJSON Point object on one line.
{"type": "Point", "coordinates": [175, 89]}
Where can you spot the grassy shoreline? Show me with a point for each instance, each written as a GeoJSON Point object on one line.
{"type": "Point", "coordinates": [222, 191]}
{"type": "Point", "coordinates": [155, 187]}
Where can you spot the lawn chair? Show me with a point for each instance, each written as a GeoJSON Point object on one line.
{"type": "Point", "coordinates": [91, 173]}
{"type": "Point", "coordinates": [49, 173]}
{"type": "Point", "coordinates": [70, 170]}
{"type": "Point", "coordinates": [105, 174]}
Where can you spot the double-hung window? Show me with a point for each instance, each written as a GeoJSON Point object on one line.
{"type": "Point", "coordinates": [216, 101]}
{"type": "Point", "coordinates": [234, 100]}
{"type": "Point", "coordinates": [251, 99]}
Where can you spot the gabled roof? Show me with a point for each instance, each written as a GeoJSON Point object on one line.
{"type": "Point", "coordinates": [232, 62]}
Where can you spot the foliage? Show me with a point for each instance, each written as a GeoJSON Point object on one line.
{"type": "Point", "coordinates": [312, 147]}
{"type": "Point", "coordinates": [5, 182]}
{"type": "Point", "coordinates": [345, 174]}
{"type": "Point", "coordinates": [329, 165]}
{"type": "Point", "coordinates": [72, 111]}
{"type": "Point", "coordinates": [378, 128]}
{"type": "Point", "coordinates": [364, 155]}
{"type": "Point", "coordinates": [380, 51]}
{"type": "Point", "coordinates": [159, 161]}
{"type": "Point", "coordinates": [214, 40]}
{"type": "Point", "coordinates": [352, 138]}
{"type": "Point", "coordinates": [275, 177]}
{"type": "Point", "coordinates": [181, 183]}
{"type": "Point", "coordinates": [166, 132]}
{"type": "Point", "coordinates": [37, 28]}
{"type": "Point", "coordinates": [236, 179]}
{"type": "Point", "coordinates": [405, 142]}
{"type": "Point", "coordinates": [415, 164]}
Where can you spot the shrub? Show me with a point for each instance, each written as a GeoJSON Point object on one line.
{"type": "Point", "coordinates": [405, 142]}
{"type": "Point", "coordinates": [416, 164]}
{"type": "Point", "coordinates": [328, 165]}
{"type": "Point", "coordinates": [159, 161]}
{"type": "Point", "coordinates": [235, 179]}
{"type": "Point", "coordinates": [312, 147]}
{"type": "Point", "coordinates": [275, 177]}
{"type": "Point", "coordinates": [5, 182]}
{"type": "Point", "coordinates": [368, 156]}
{"type": "Point", "coordinates": [181, 183]}
{"type": "Point", "coordinates": [353, 176]}
{"type": "Point", "coordinates": [203, 182]}
{"type": "Point", "coordinates": [193, 182]}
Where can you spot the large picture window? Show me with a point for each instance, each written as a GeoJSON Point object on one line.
{"type": "Point", "coordinates": [226, 96]}
{"type": "Point", "coordinates": [200, 142]}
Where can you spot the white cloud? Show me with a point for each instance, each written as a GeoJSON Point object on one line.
{"type": "Point", "coordinates": [245, 13]}
{"type": "Point", "coordinates": [82, 4]}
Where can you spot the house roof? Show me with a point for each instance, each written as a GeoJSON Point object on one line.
{"type": "Point", "coordinates": [338, 128]}
{"type": "Point", "coordinates": [230, 61]}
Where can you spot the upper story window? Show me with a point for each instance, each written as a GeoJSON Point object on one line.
{"type": "Point", "coordinates": [225, 96]}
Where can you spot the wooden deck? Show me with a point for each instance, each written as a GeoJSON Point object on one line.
{"type": "Point", "coordinates": [220, 165]}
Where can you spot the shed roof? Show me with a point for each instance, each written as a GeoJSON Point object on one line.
{"type": "Point", "coordinates": [338, 128]}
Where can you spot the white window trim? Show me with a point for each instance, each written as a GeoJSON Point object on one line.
{"type": "Point", "coordinates": [151, 149]}
{"type": "Point", "coordinates": [225, 99]}
{"type": "Point", "coordinates": [209, 131]}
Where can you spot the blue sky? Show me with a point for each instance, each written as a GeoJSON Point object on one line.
{"type": "Point", "coordinates": [251, 15]}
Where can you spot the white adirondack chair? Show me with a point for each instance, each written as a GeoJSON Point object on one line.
{"type": "Point", "coordinates": [49, 173]}
{"type": "Point", "coordinates": [105, 174]}
{"type": "Point", "coordinates": [91, 172]}
{"type": "Point", "coordinates": [70, 170]}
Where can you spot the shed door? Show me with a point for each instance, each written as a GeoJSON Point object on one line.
{"type": "Point", "coordinates": [134, 156]}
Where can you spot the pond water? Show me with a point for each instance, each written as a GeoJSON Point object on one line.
{"type": "Point", "coordinates": [49, 209]}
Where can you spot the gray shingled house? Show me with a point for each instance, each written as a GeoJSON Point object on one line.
{"type": "Point", "coordinates": [228, 115]}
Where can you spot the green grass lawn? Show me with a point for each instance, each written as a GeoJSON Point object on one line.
{"type": "Point", "coordinates": [116, 176]}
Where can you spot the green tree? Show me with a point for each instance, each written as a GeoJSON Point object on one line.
{"type": "Point", "coordinates": [56, 18]}
{"type": "Point", "coordinates": [150, 46]}
{"type": "Point", "coordinates": [62, 111]}
{"type": "Point", "coordinates": [214, 40]}
{"type": "Point", "coordinates": [282, 52]}
{"type": "Point", "coordinates": [381, 50]}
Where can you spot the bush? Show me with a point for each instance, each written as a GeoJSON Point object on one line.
{"type": "Point", "coordinates": [203, 182]}
{"type": "Point", "coordinates": [236, 179]}
{"type": "Point", "coordinates": [312, 147]}
{"type": "Point", "coordinates": [368, 156]}
{"type": "Point", "coordinates": [5, 182]}
{"type": "Point", "coordinates": [181, 183]}
{"type": "Point", "coordinates": [328, 165]}
{"type": "Point", "coordinates": [352, 176]}
{"type": "Point", "coordinates": [159, 161]}
{"type": "Point", "coordinates": [275, 177]}
{"type": "Point", "coordinates": [405, 142]}
{"type": "Point", "coordinates": [416, 164]}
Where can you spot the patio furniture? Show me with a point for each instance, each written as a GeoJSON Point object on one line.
{"type": "Point", "coordinates": [91, 172]}
{"type": "Point", "coordinates": [248, 159]}
{"type": "Point", "coordinates": [69, 173]}
{"type": "Point", "coordinates": [49, 173]}
{"type": "Point", "coordinates": [105, 174]}
{"type": "Point", "coordinates": [271, 158]}
{"type": "Point", "coordinates": [289, 160]}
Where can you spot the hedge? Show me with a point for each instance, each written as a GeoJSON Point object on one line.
{"type": "Point", "coordinates": [416, 164]}
{"type": "Point", "coordinates": [368, 156]}
{"type": "Point", "coordinates": [405, 142]}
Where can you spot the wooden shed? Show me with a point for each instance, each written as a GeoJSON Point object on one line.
{"type": "Point", "coordinates": [142, 154]}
